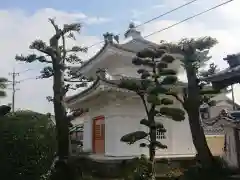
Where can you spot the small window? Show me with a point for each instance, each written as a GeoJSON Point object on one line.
{"type": "Point", "coordinates": [160, 135]}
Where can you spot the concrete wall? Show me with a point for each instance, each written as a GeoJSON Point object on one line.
{"type": "Point", "coordinates": [122, 116]}
{"type": "Point", "coordinates": [230, 155]}
{"type": "Point", "coordinates": [216, 144]}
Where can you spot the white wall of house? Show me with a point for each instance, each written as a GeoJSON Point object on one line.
{"type": "Point", "coordinates": [230, 155]}
{"type": "Point", "coordinates": [87, 134]}
{"type": "Point", "coordinates": [122, 116]}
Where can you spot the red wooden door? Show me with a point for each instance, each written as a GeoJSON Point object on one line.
{"type": "Point", "coordinates": [99, 135]}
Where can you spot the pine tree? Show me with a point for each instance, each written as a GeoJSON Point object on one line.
{"type": "Point", "coordinates": [156, 84]}
{"type": "Point", "coordinates": [3, 85]}
{"type": "Point", "coordinates": [58, 57]}
{"type": "Point", "coordinates": [194, 54]}
{"type": "Point", "coordinates": [4, 110]}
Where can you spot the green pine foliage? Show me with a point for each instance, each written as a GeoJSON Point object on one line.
{"type": "Point", "coordinates": [3, 85]}
{"type": "Point", "coordinates": [154, 86]}
{"type": "Point", "coordinates": [59, 60]}
{"type": "Point", "coordinates": [193, 54]}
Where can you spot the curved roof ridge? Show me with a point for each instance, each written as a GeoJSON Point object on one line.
{"type": "Point", "coordinates": [115, 45]}
{"type": "Point", "coordinates": [106, 45]}
{"type": "Point", "coordinates": [97, 83]}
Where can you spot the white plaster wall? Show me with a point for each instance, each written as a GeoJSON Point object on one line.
{"type": "Point", "coordinates": [123, 116]}
{"type": "Point", "coordinates": [230, 155]}
{"type": "Point", "coordinates": [87, 134]}
{"type": "Point", "coordinates": [121, 125]}
{"type": "Point", "coordinates": [110, 136]}
{"type": "Point", "coordinates": [182, 144]}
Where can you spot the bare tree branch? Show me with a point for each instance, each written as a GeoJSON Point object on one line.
{"type": "Point", "coordinates": [177, 98]}
{"type": "Point", "coordinates": [76, 27]}
{"type": "Point", "coordinates": [144, 102]}
{"type": "Point", "coordinates": [52, 21]}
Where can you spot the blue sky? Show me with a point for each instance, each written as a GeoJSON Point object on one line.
{"type": "Point", "coordinates": [22, 21]}
{"type": "Point", "coordinates": [120, 12]}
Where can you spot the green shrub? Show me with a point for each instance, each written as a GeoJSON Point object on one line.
{"type": "Point", "coordinates": [218, 171]}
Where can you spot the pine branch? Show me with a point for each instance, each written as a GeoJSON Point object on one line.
{"type": "Point", "coordinates": [46, 72]}
{"type": "Point", "coordinates": [42, 47]}
{"type": "Point", "coordinates": [76, 81]}
{"type": "Point", "coordinates": [31, 58]}
{"type": "Point", "coordinates": [75, 27]}
{"type": "Point", "coordinates": [49, 98]}
{"type": "Point", "coordinates": [73, 58]}
{"type": "Point", "coordinates": [78, 49]}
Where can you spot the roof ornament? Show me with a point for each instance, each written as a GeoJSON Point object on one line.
{"type": "Point", "coordinates": [110, 37]}
{"type": "Point", "coordinates": [132, 32]}
{"type": "Point", "coordinates": [233, 60]}
{"type": "Point", "coordinates": [101, 73]}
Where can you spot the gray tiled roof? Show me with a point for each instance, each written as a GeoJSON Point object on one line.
{"type": "Point", "coordinates": [213, 127]}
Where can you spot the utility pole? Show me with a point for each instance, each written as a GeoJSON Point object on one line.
{"type": "Point", "coordinates": [233, 98]}
{"type": "Point", "coordinates": [14, 89]}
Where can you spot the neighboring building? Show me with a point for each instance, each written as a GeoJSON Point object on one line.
{"type": "Point", "coordinates": [232, 147]}
{"type": "Point", "coordinates": [230, 120]}
{"type": "Point", "coordinates": [213, 129]}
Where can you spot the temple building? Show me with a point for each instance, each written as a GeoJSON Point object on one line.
{"type": "Point", "coordinates": [114, 112]}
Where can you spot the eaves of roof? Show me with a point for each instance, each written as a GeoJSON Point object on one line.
{"type": "Point", "coordinates": [93, 86]}
{"type": "Point", "coordinates": [106, 45]}
{"type": "Point", "coordinates": [224, 74]}
{"type": "Point", "coordinates": [97, 83]}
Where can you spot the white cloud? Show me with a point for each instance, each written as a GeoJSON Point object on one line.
{"type": "Point", "coordinates": [97, 20]}
{"type": "Point", "coordinates": [225, 29]}
{"type": "Point", "coordinates": [18, 30]}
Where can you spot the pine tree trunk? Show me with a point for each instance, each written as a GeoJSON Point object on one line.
{"type": "Point", "coordinates": [152, 153]}
{"type": "Point", "coordinates": [60, 115]}
{"type": "Point", "coordinates": [58, 101]}
{"type": "Point", "coordinates": [193, 103]}
{"type": "Point", "coordinates": [152, 149]}
{"type": "Point", "coordinates": [61, 171]}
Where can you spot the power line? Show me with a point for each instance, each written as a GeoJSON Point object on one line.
{"type": "Point", "coordinates": [191, 17]}
{"type": "Point", "coordinates": [31, 78]}
{"type": "Point", "coordinates": [153, 19]}
{"type": "Point", "coordinates": [182, 21]}
{"type": "Point", "coordinates": [14, 82]}
{"type": "Point", "coordinates": [25, 70]}
{"type": "Point", "coordinates": [166, 13]}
